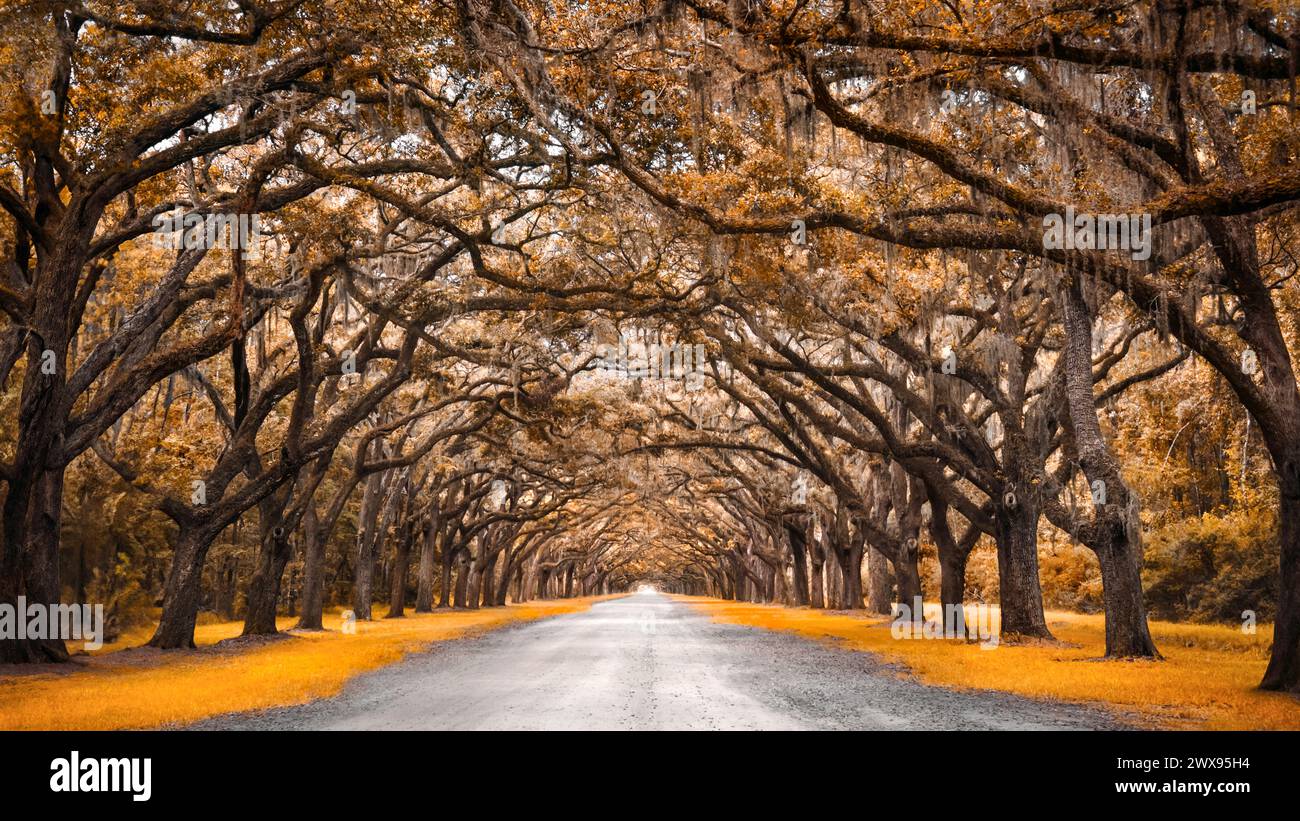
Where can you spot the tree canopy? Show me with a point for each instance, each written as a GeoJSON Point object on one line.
{"type": "Point", "coordinates": [311, 302]}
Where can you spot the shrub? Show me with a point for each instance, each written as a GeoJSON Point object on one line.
{"type": "Point", "coordinates": [126, 602]}
{"type": "Point", "coordinates": [1213, 567]}
{"type": "Point", "coordinates": [1071, 577]}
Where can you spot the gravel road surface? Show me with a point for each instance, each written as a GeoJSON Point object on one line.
{"type": "Point", "coordinates": [646, 662]}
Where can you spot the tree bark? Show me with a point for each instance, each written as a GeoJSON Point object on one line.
{"type": "Point", "coordinates": [401, 562]}
{"type": "Point", "coordinates": [34, 572]}
{"type": "Point", "coordinates": [1020, 593]}
{"type": "Point", "coordinates": [474, 589]}
{"type": "Point", "coordinates": [880, 584]}
{"type": "Point", "coordinates": [226, 586]}
{"type": "Point", "coordinates": [184, 587]}
{"type": "Point", "coordinates": [448, 557]}
{"type": "Point", "coordinates": [817, 557]}
{"type": "Point", "coordinates": [313, 572]}
{"type": "Point", "coordinates": [953, 557]}
{"type": "Point", "coordinates": [367, 537]}
{"type": "Point", "coordinates": [850, 562]}
{"type": "Point", "coordinates": [489, 581]}
{"type": "Point", "coordinates": [462, 578]}
{"type": "Point", "coordinates": [428, 547]}
{"type": "Point", "coordinates": [264, 586]}
{"type": "Point", "coordinates": [1115, 533]}
{"type": "Point", "coordinates": [908, 574]}
{"type": "Point", "coordinates": [1283, 672]}
{"type": "Point", "coordinates": [797, 540]}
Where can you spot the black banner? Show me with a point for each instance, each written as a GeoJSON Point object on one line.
{"type": "Point", "coordinates": [299, 770]}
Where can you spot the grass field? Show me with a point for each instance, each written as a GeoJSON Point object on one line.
{"type": "Point", "coordinates": [1207, 678]}
{"type": "Point", "coordinates": [126, 686]}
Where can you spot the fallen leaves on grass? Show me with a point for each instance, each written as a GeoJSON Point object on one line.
{"type": "Point", "coordinates": [139, 687]}
{"type": "Point", "coordinates": [1207, 679]}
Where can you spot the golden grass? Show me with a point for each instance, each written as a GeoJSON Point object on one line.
{"type": "Point", "coordinates": [145, 688]}
{"type": "Point", "coordinates": [1207, 680]}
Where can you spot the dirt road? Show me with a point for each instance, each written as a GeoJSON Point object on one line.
{"type": "Point", "coordinates": [648, 662]}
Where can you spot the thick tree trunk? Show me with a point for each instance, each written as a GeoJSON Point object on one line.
{"type": "Point", "coordinates": [463, 569]}
{"type": "Point", "coordinates": [32, 511]}
{"type": "Point", "coordinates": [523, 580]}
{"type": "Point", "coordinates": [1020, 591]}
{"type": "Point", "coordinates": [363, 582]}
{"type": "Point", "coordinates": [1273, 399]}
{"type": "Point", "coordinates": [850, 562]}
{"type": "Point", "coordinates": [474, 590]}
{"type": "Point", "coordinates": [953, 557]}
{"type": "Point", "coordinates": [834, 580]}
{"type": "Point", "coordinates": [363, 579]}
{"type": "Point", "coordinates": [264, 586]}
{"type": "Point", "coordinates": [184, 588]}
{"type": "Point", "coordinates": [952, 591]}
{"type": "Point", "coordinates": [1127, 635]}
{"type": "Point", "coordinates": [428, 548]}
{"type": "Point", "coordinates": [448, 557]}
{"type": "Point", "coordinates": [508, 573]}
{"type": "Point", "coordinates": [43, 558]}
{"type": "Point", "coordinates": [397, 585]}
{"type": "Point", "coordinates": [880, 584]}
{"type": "Point", "coordinates": [11, 567]}
{"type": "Point", "coordinates": [489, 582]}
{"type": "Point", "coordinates": [428, 565]}
{"type": "Point", "coordinates": [34, 572]}
{"type": "Point", "coordinates": [278, 521]}
{"type": "Point", "coordinates": [1283, 672]}
{"type": "Point", "coordinates": [816, 558]}
{"type": "Point", "coordinates": [817, 595]}
{"type": "Point", "coordinates": [908, 572]}
{"type": "Point", "coordinates": [908, 499]}
{"type": "Point", "coordinates": [363, 574]}
{"type": "Point", "coordinates": [726, 587]}
{"type": "Point", "coordinates": [520, 593]}
{"type": "Point", "coordinates": [799, 583]}
{"type": "Point", "coordinates": [313, 572]}
{"type": "Point", "coordinates": [1115, 533]}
